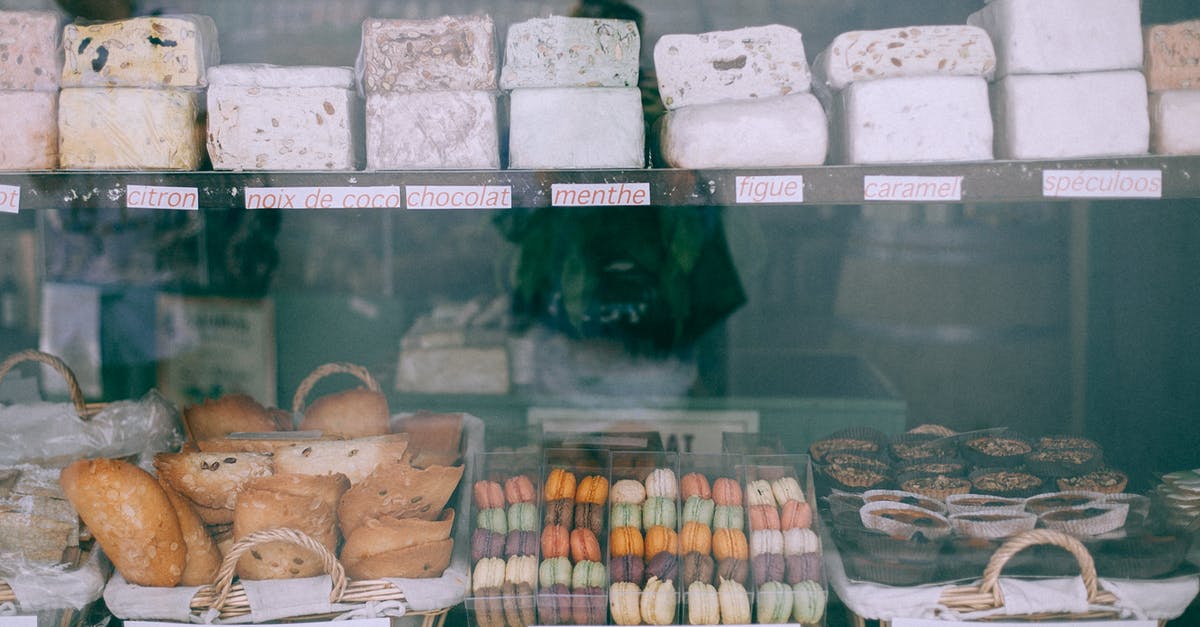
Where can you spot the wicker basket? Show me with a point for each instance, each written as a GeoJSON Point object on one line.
{"type": "Point", "coordinates": [325, 370]}
{"type": "Point", "coordinates": [229, 598]}
{"type": "Point", "coordinates": [986, 595]}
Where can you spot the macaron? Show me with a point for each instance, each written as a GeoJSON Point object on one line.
{"type": "Point", "coordinates": [797, 541]}
{"type": "Point", "coordinates": [704, 607]}
{"type": "Point", "coordinates": [624, 602]}
{"type": "Point", "coordinates": [584, 546]}
{"type": "Point", "coordinates": [726, 491]}
{"type": "Point", "coordinates": [521, 569]}
{"type": "Point", "coordinates": [758, 492]}
{"type": "Point", "coordinates": [768, 567]}
{"type": "Point", "coordinates": [735, 603]}
{"type": "Point", "coordinates": [661, 539]}
{"type": "Point", "coordinates": [803, 567]}
{"type": "Point", "coordinates": [795, 515]}
{"type": "Point", "coordinates": [556, 541]}
{"type": "Point", "coordinates": [518, 604]}
{"type": "Point", "coordinates": [733, 568]}
{"type": "Point", "coordinates": [493, 519]}
{"type": "Point", "coordinates": [661, 482]}
{"type": "Point", "coordinates": [697, 567]}
{"type": "Point", "coordinates": [589, 574]}
{"type": "Point", "coordinates": [521, 543]}
{"type": "Point", "coordinates": [628, 491]}
{"type": "Point", "coordinates": [763, 517]}
{"type": "Point", "coordinates": [553, 571]}
{"type": "Point", "coordinates": [808, 602]}
{"type": "Point", "coordinates": [519, 489]}
{"type": "Point", "coordinates": [487, 494]}
{"type": "Point", "coordinates": [592, 489]}
{"type": "Point", "coordinates": [774, 602]}
{"type": "Point", "coordinates": [696, 537]}
{"type": "Point", "coordinates": [698, 509]}
{"type": "Point", "coordinates": [554, 605]}
{"type": "Point", "coordinates": [729, 517]}
{"type": "Point", "coordinates": [626, 541]}
{"type": "Point", "coordinates": [627, 568]}
{"type": "Point", "coordinates": [694, 484]}
{"type": "Point", "coordinates": [658, 510]}
{"type": "Point", "coordinates": [488, 573]}
{"type": "Point", "coordinates": [522, 517]}
{"type": "Point", "coordinates": [730, 543]}
{"type": "Point", "coordinates": [589, 516]}
{"type": "Point", "coordinates": [766, 541]}
{"type": "Point", "coordinates": [664, 566]}
{"type": "Point", "coordinates": [625, 515]}
{"type": "Point", "coordinates": [658, 602]}
{"type": "Point", "coordinates": [486, 544]}
{"type": "Point", "coordinates": [560, 512]}
{"type": "Point", "coordinates": [589, 606]}
{"type": "Point", "coordinates": [560, 484]}
{"type": "Point", "coordinates": [489, 608]}
{"type": "Point", "coordinates": [786, 489]}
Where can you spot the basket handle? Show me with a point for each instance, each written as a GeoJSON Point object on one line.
{"type": "Point", "coordinates": [324, 370]}
{"type": "Point", "coordinates": [224, 583]}
{"type": "Point", "coordinates": [1087, 568]}
{"type": "Point", "coordinates": [81, 405]}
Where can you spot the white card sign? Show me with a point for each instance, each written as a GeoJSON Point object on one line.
{"type": "Point", "coordinates": [382, 197]}
{"type": "Point", "coordinates": [925, 622]}
{"type": "Point", "coordinates": [600, 194]}
{"type": "Point", "coordinates": [1102, 183]}
{"type": "Point", "coordinates": [360, 622]}
{"type": "Point", "coordinates": [160, 197]}
{"type": "Point", "coordinates": [458, 196]}
{"type": "Point", "coordinates": [10, 199]}
{"type": "Point", "coordinates": [19, 621]}
{"type": "Point", "coordinates": [913, 188]}
{"type": "Point", "coordinates": [761, 190]}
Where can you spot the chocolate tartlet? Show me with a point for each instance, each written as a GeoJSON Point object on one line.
{"type": "Point", "coordinates": [996, 450]}
{"type": "Point", "coordinates": [1105, 480]}
{"type": "Point", "coordinates": [1005, 482]}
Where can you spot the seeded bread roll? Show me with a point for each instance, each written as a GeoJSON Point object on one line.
{"type": "Point", "coordinates": [306, 503]}
{"type": "Point", "coordinates": [131, 517]}
{"type": "Point", "coordinates": [356, 458]}
{"type": "Point", "coordinates": [228, 414]}
{"type": "Point", "coordinates": [351, 414]}
{"type": "Point", "coordinates": [386, 533]}
{"type": "Point", "coordinates": [203, 557]}
{"type": "Point", "coordinates": [400, 491]}
{"type": "Point", "coordinates": [211, 480]}
{"type": "Point", "coordinates": [436, 439]}
{"type": "Point", "coordinates": [270, 444]}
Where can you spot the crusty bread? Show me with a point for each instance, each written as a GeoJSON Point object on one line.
{"type": "Point", "coordinates": [307, 503]}
{"type": "Point", "coordinates": [230, 413]}
{"type": "Point", "coordinates": [203, 558]}
{"type": "Point", "coordinates": [351, 414]}
{"type": "Point", "coordinates": [400, 491]}
{"type": "Point", "coordinates": [278, 440]}
{"type": "Point", "coordinates": [434, 439]}
{"type": "Point", "coordinates": [39, 528]}
{"type": "Point", "coordinates": [131, 517]}
{"type": "Point", "coordinates": [211, 480]}
{"type": "Point", "coordinates": [388, 533]}
{"type": "Point", "coordinates": [419, 561]}
{"type": "Point", "coordinates": [356, 458]}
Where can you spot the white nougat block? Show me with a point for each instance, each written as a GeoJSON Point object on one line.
{"type": "Point", "coordinates": [773, 132]}
{"type": "Point", "coordinates": [30, 57]}
{"type": "Point", "coordinates": [742, 64]}
{"type": "Point", "coordinates": [448, 53]}
{"type": "Point", "coordinates": [1062, 36]}
{"type": "Point", "coordinates": [571, 52]}
{"type": "Point", "coordinates": [29, 128]}
{"type": "Point", "coordinates": [130, 129]}
{"type": "Point", "coordinates": [1093, 114]}
{"type": "Point", "coordinates": [1175, 122]}
{"type": "Point", "coordinates": [584, 127]}
{"type": "Point", "coordinates": [916, 119]}
{"type": "Point", "coordinates": [863, 55]}
{"type": "Point", "coordinates": [437, 130]}
{"type": "Point", "coordinates": [265, 117]}
{"type": "Point", "coordinates": [454, 370]}
{"type": "Point", "coordinates": [159, 51]}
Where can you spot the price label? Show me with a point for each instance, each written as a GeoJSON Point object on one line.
{"type": "Point", "coordinates": [769, 189]}
{"type": "Point", "coordinates": [1102, 183]}
{"type": "Point", "coordinates": [159, 197]}
{"type": "Point", "coordinates": [18, 621]}
{"type": "Point", "coordinates": [10, 198]}
{"type": "Point", "coordinates": [924, 622]}
{"type": "Point", "coordinates": [383, 197]}
{"type": "Point", "coordinates": [913, 188]}
{"type": "Point", "coordinates": [600, 194]}
{"type": "Point", "coordinates": [458, 197]}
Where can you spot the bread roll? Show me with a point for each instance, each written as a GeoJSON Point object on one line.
{"type": "Point", "coordinates": [356, 458]}
{"type": "Point", "coordinates": [307, 503]}
{"type": "Point", "coordinates": [131, 517]}
{"type": "Point", "coordinates": [419, 561]}
{"type": "Point", "coordinates": [212, 480]}
{"type": "Point", "coordinates": [351, 414]}
{"type": "Point", "coordinates": [228, 414]}
{"type": "Point", "coordinates": [257, 445]}
{"type": "Point", "coordinates": [203, 558]}
{"type": "Point", "coordinates": [434, 439]}
{"type": "Point", "coordinates": [399, 491]}
{"type": "Point", "coordinates": [388, 533]}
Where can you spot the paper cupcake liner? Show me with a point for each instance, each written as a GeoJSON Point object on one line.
{"type": "Point", "coordinates": [908, 498]}
{"type": "Point", "coordinates": [963, 503]}
{"type": "Point", "coordinates": [1100, 518]}
{"type": "Point", "coordinates": [1061, 500]}
{"type": "Point", "coordinates": [903, 521]}
{"type": "Point", "coordinates": [1103, 480]}
{"type": "Point", "coordinates": [941, 488]}
{"type": "Point", "coordinates": [992, 525]}
{"type": "Point", "coordinates": [977, 457]}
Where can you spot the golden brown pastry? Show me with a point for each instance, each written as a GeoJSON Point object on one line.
{"type": "Point", "coordinates": [212, 480]}
{"type": "Point", "coordinates": [356, 458]}
{"type": "Point", "coordinates": [230, 413]}
{"type": "Point", "coordinates": [351, 414]}
{"type": "Point", "coordinates": [203, 557]}
{"type": "Point", "coordinates": [400, 491]}
{"type": "Point", "coordinates": [307, 503]}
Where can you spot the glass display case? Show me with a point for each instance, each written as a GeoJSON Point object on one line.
{"type": "Point", "coordinates": [1045, 296]}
